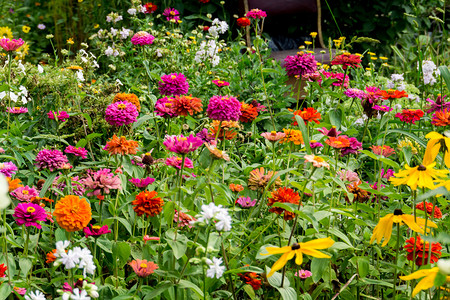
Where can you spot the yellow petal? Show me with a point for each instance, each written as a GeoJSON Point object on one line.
{"type": "Point", "coordinates": [318, 244]}
{"type": "Point", "coordinates": [409, 220]}
{"type": "Point", "coordinates": [434, 135]}
{"type": "Point", "coordinates": [276, 250]}
{"type": "Point", "coordinates": [299, 258]}
{"type": "Point", "coordinates": [424, 284]}
{"type": "Point", "coordinates": [432, 151]}
{"type": "Point", "coordinates": [383, 227]}
{"type": "Point", "coordinates": [421, 223]}
{"type": "Point", "coordinates": [420, 274]}
{"type": "Point", "coordinates": [281, 262]}
{"type": "Point", "coordinates": [315, 253]}
{"type": "Point", "coordinates": [447, 153]}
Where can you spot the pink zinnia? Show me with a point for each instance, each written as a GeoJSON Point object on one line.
{"type": "Point", "coordinates": [24, 193]}
{"type": "Point", "coordinates": [372, 94]}
{"type": "Point", "coordinates": [121, 113]}
{"type": "Point", "coordinates": [348, 175]}
{"type": "Point", "coordinates": [77, 151]}
{"type": "Point", "coordinates": [224, 108]}
{"type": "Point", "coordinates": [142, 183]}
{"type": "Point", "coordinates": [175, 162]}
{"type": "Point", "coordinates": [171, 14]}
{"type": "Point", "coordinates": [61, 115]}
{"type": "Point", "coordinates": [330, 133]}
{"type": "Point", "coordinates": [17, 110]}
{"type": "Point", "coordinates": [8, 168]}
{"type": "Point", "coordinates": [164, 108]}
{"type": "Point", "coordinates": [245, 202]}
{"type": "Point", "coordinates": [29, 214]}
{"type": "Point", "coordinates": [273, 136]}
{"type": "Point", "coordinates": [52, 160]}
{"type": "Point", "coordinates": [96, 231]}
{"type": "Point", "coordinates": [339, 77]}
{"type": "Point", "coordinates": [384, 108]}
{"type": "Point", "coordinates": [143, 268]}
{"type": "Point", "coordinates": [20, 291]}
{"type": "Point", "coordinates": [355, 93]}
{"type": "Point", "coordinates": [355, 145]}
{"type": "Point", "coordinates": [173, 84]}
{"type": "Point", "coordinates": [206, 137]}
{"type": "Point", "coordinates": [221, 83]}
{"type": "Point", "coordinates": [101, 182]}
{"type": "Point", "coordinates": [300, 64]}
{"type": "Point", "coordinates": [11, 45]}
{"type": "Point", "coordinates": [437, 105]}
{"type": "Point", "coordinates": [303, 274]}
{"type": "Point", "coordinates": [315, 144]}
{"type": "Point", "coordinates": [387, 173]}
{"type": "Point", "coordinates": [142, 38]}
{"type": "Point", "coordinates": [256, 13]}
{"type": "Point", "coordinates": [147, 238]}
{"type": "Point", "coordinates": [181, 144]}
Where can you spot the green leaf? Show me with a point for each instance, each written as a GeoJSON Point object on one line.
{"type": "Point", "coordinates": [122, 252]}
{"type": "Point", "coordinates": [445, 73]}
{"type": "Point", "coordinates": [399, 54]}
{"type": "Point", "coordinates": [250, 291]}
{"type": "Point", "coordinates": [440, 279]}
{"type": "Point", "coordinates": [304, 130]}
{"type": "Point", "coordinates": [25, 265]}
{"type": "Point", "coordinates": [275, 279]}
{"type": "Point", "coordinates": [60, 235]}
{"type": "Point", "coordinates": [93, 136]}
{"type": "Point", "coordinates": [5, 290]}
{"type": "Point", "coordinates": [341, 235]}
{"type": "Point", "coordinates": [408, 134]}
{"type": "Point", "coordinates": [363, 266]}
{"type": "Point", "coordinates": [336, 117]}
{"type": "Point", "coordinates": [376, 282]}
{"type": "Point", "coordinates": [141, 121]}
{"type": "Point", "coordinates": [47, 184]}
{"type": "Point", "coordinates": [319, 266]}
{"type": "Point", "coordinates": [184, 284]}
{"type": "Point", "coordinates": [179, 245]}
{"type": "Point", "coordinates": [169, 211]}
{"type": "Point", "coordinates": [160, 288]}
{"type": "Point", "coordinates": [81, 143]}
{"type": "Point", "coordinates": [88, 119]}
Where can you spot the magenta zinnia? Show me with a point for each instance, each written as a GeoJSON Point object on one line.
{"type": "Point", "coordinates": [121, 113]}
{"type": "Point", "coordinates": [29, 214]}
{"type": "Point", "coordinates": [77, 151]}
{"type": "Point", "coordinates": [142, 183]}
{"type": "Point", "coordinates": [173, 84]}
{"type": "Point", "coordinates": [256, 13]}
{"type": "Point", "coordinates": [60, 115]}
{"type": "Point", "coordinates": [52, 160]}
{"type": "Point", "coordinates": [8, 168]}
{"type": "Point", "coordinates": [11, 45]}
{"type": "Point", "coordinates": [142, 38]}
{"type": "Point", "coordinates": [175, 162]}
{"type": "Point", "coordinates": [17, 110]}
{"type": "Point", "coordinates": [181, 144]}
{"type": "Point", "coordinates": [300, 64]}
{"type": "Point", "coordinates": [96, 230]}
{"type": "Point", "coordinates": [224, 108]}
{"type": "Point", "coordinates": [164, 108]}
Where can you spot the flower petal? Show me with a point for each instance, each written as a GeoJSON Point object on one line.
{"type": "Point", "coordinates": [318, 244]}
{"type": "Point", "coordinates": [276, 250]}
{"type": "Point", "coordinates": [281, 262]}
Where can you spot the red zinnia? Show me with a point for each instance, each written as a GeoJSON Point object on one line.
{"type": "Point", "coordinates": [252, 279]}
{"type": "Point", "coordinates": [284, 195]}
{"type": "Point", "coordinates": [410, 115]}
{"type": "Point", "coordinates": [147, 203]}
{"type": "Point", "coordinates": [393, 94]}
{"type": "Point", "coordinates": [437, 211]}
{"type": "Point", "coordinates": [308, 115]}
{"type": "Point", "coordinates": [347, 60]}
{"type": "Point", "coordinates": [422, 249]}
{"type": "Point", "coordinates": [249, 113]}
{"type": "Point", "coordinates": [243, 22]}
{"type": "Point", "coordinates": [338, 142]}
{"type": "Point", "coordinates": [384, 150]}
{"type": "Point", "coordinates": [150, 8]}
{"type": "Point", "coordinates": [3, 269]}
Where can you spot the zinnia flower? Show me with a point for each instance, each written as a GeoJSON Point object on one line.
{"type": "Point", "coordinates": [3, 269]}
{"type": "Point", "coordinates": [173, 84]}
{"type": "Point", "coordinates": [60, 115]}
{"type": "Point", "coordinates": [252, 279]}
{"type": "Point", "coordinates": [298, 249]}
{"type": "Point", "coordinates": [228, 130]}
{"type": "Point", "coordinates": [143, 268]}
{"type": "Point", "coordinates": [393, 94]}
{"type": "Point", "coordinates": [181, 144]}
{"type": "Point", "coordinates": [14, 183]}
{"type": "Point", "coordinates": [348, 175]}
{"type": "Point", "coordinates": [437, 105]}
{"type": "Point", "coordinates": [339, 77]}
{"type": "Point", "coordinates": [217, 153]}
{"type": "Point", "coordinates": [429, 206]}
{"type": "Point", "coordinates": [383, 230]}
{"type": "Point", "coordinates": [330, 133]}
{"type": "Point", "coordinates": [17, 110]}
{"type": "Point", "coordinates": [24, 193]}
{"type": "Point", "coordinates": [273, 136]}
{"type": "Point", "coordinates": [347, 60]}
{"type": "Point", "coordinates": [176, 161]}
{"type": "Point", "coordinates": [132, 98]}
{"type": "Point", "coordinates": [142, 183]}
{"type": "Point", "coordinates": [427, 281]}
{"type": "Point", "coordinates": [147, 203]}
{"type": "Point", "coordinates": [236, 187]}
{"type": "Point", "coordinates": [72, 213]}
{"type": "Point", "coordinates": [171, 14]}
{"type": "Point", "coordinates": [29, 214]}
{"type": "Point", "coordinates": [150, 8]}
{"type": "Point", "coordinates": [355, 93]}
{"type": "Point", "coordinates": [256, 13]}
{"type": "Point", "coordinates": [51, 159]}
{"type": "Point", "coordinates": [121, 113]}
{"type": "Point", "coordinates": [245, 202]}
{"type": "Point", "coordinates": [101, 182]}
{"type": "Point", "coordinates": [317, 161]}
{"type": "Point", "coordinates": [293, 136]}
{"type": "Point", "coordinates": [183, 219]}
{"type": "Point", "coordinates": [249, 113]}
{"type": "Point", "coordinates": [384, 150]}
{"type": "Point", "coordinates": [243, 22]}
{"type": "Point", "coordinates": [300, 64]}
{"type": "Point", "coordinates": [11, 44]}
{"type": "Point", "coordinates": [441, 118]}
{"type": "Point", "coordinates": [410, 115]}
{"type": "Point", "coordinates": [121, 146]}
{"type": "Point", "coordinates": [164, 108]}
{"type": "Point", "coordinates": [359, 195]}
{"type": "Point", "coordinates": [182, 105]}
{"type": "Point", "coordinates": [77, 151]}
{"type": "Point", "coordinates": [383, 108]}
{"type": "Point", "coordinates": [142, 38]}
{"type": "Point", "coordinates": [259, 179]}
{"type": "Point", "coordinates": [422, 176]}
{"type": "Point", "coordinates": [303, 274]}
{"type": "Point", "coordinates": [339, 142]}
{"type": "Point", "coordinates": [353, 148]}
{"type": "Point", "coordinates": [221, 83]}
{"type": "Point", "coordinates": [308, 114]}
{"type": "Point", "coordinates": [8, 168]}
{"type": "Point", "coordinates": [224, 108]}
{"type": "Point", "coordinates": [421, 248]}
{"type": "Point", "coordinates": [96, 231]}
{"type": "Point", "coordinates": [283, 195]}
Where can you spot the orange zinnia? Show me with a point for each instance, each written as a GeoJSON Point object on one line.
{"type": "Point", "coordinates": [338, 142]}
{"type": "Point", "coordinates": [393, 94]}
{"type": "Point", "coordinates": [441, 118]}
{"type": "Point", "coordinates": [228, 126]}
{"type": "Point", "coordinates": [249, 113]}
{"type": "Point", "coordinates": [292, 135]}
{"type": "Point", "coordinates": [236, 187]}
{"type": "Point", "coordinates": [131, 98]}
{"type": "Point", "coordinates": [51, 256]}
{"type": "Point", "coordinates": [14, 183]}
{"type": "Point", "coordinates": [182, 105]}
{"type": "Point", "coordinates": [72, 213]}
{"type": "Point", "coordinates": [121, 145]}
{"type": "Point", "coordinates": [147, 203]}
{"type": "Point", "coordinates": [284, 195]}
{"type": "Point", "coordinates": [308, 115]}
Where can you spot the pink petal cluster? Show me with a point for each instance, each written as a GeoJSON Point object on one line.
{"type": "Point", "coordinates": [101, 182]}
{"type": "Point", "coordinates": [303, 274]}
{"type": "Point", "coordinates": [437, 105]}
{"type": "Point", "coordinates": [8, 168]}
{"type": "Point", "coordinates": [121, 113]}
{"type": "Point", "coordinates": [143, 268]}
{"type": "Point", "coordinates": [384, 108]}
{"type": "Point", "coordinates": [142, 38]}
{"type": "Point", "coordinates": [142, 183]}
{"type": "Point", "coordinates": [221, 83]}
{"type": "Point", "coordinates": [96, 231]}
{"type": "Point", "coordinates": [339, 78]}
{"type": "Point", "coordinates": [206, 137]}
{"type": "Point", "coordinates": [164, 108]}
{"type": "Point", "coordinates": [355, 145]}
{"type": "Point", "coordinates": [173, 84]}
{"type": "Point", "coordinates": [256, 13]}
{"type": "Point", "coordinates": [330, 133]}
{"type": "Point", "coordinates": [61, 115]}
{"type": "Point", "coordinates": [17, 110]}
{"type": "Point", "coordinates": [24, 193]}
{"type": "Point", "coordinates": [52, 160]}
{"type": "Point", "coordinates": [224, 108]}
{"type": "Point", "coordinates": [348, 175]}
{"type": "Point", "coordinates": [355, 93]}
{"type": "Point", "coordinates": [387, 174]}
{"type": "Point", "coordinates": [29, 214]}
{"type": "Point", "coordinates": [183, 219]}
{"type": "Point", "coordinates": [245, 202]}
{"type": "Point", "coordinates": [300, 64]}
{"type": "Point", "coordinates": [176, 161]}
{"type": "Point", "coordinates": [11, 45]}
{"type": "Point", "coordinates": [181, 144]}
{"type": "Point", "coordinates": [77, 151]}
{"type": "Point", "coordinates": [171, 14]}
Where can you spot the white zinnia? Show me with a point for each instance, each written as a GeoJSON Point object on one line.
{"type": "Point", "coordinates": [36, 295]}
{"type": "Point", "coordinates": [215, 268]}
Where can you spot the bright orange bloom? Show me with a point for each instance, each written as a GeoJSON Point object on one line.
{"type": "Point", "coordinates": [229, 127]}
{"type": "Point", "coordinates": [249, 113]}
{"type": "Point", "coordinates": [143, 268]}
{"type": "Point", "coordinates": [308, 115]}
{"type": "Point", "coordinates": [51, 256]}
{"type": "Point", "coordinates": [131, 98]}
{"type": "Point", "coordinates": [384, 150]}
{"type": "Point", "coordinates": [72, 213]}
{"type": "Point", "coordinates": [236, 187]}
{"type": "Point", "coordinates": [393, 94]}
{"type": "Point", "coordinates": [292, 135]}
{"type": "Point", "coordinates": [121, 145]}
{"type": "Point", "coordinates": [284, 195]}
{"type": "Point", "coordinates": [441, 118]}
{"type": "Point", "coordinates": [338, 142]}
{"type": "Point", "coordinates": [147, 203]}
{"type": "Point", "coordinates": [14, 184]}
{"type": "Point", "coordinates": [182, 105]}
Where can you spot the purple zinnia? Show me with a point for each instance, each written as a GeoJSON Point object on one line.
{"type": "Point", "coordinates": [17, 110]}
{"type": "Point", "coordinates": [121, 113]}
{"type": "Point", "coordinates": [142, 183]}
{"type": "Point", "coordinates": [61, 115]}
{"type": "Point", "coordinates": [300, 64]}
{"type": "Point", "coordinates": [224, 108]}
{"type": "Point", "coordinates": [96, 230]}
{"type": "Point", "coordinates": [173, 84]}
{"type": "Point", "coordinates": [29, 214]}
{"type": "Point", "coordinates": [52, 160]}
{"type": "Point", "coordinates": [142, 38]}
{"type": "Point", "coordinates": [101, 182]}
{"type": "Point", "coordinates": [437, 105]}
{"type": "Point", "coordinates": [175, 162]}
{"type": "Point", "coordinates": [8, 168]}
{"type": "Point", "coordinates": [181, 144]}
{"type": "Point", "coordinates": [206, 137]}
{"type": "Point", "coordinates": [164, 108]}
{"type": "Point", "coordinates": [245, 202]}
{"type": "Point", "coordinates": [353, 148]}
{"type": "Point", "coordinates": [171, 14]}
{"type": "Point", "coordinates": [315, 144]}
{"type": "Point", "coordinates": [24, 193]}
{"type": "Point", "coordinates": [77, 151]}
{"type": "Point", "coordinates": [355, 93]}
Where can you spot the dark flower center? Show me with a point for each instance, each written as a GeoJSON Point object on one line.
{"type": "Point", "coordinates": [421, 168]}
{"type": "Point", "coordinates": [398, 212]}
{"type": "Point", "coordinates": [295, 246]}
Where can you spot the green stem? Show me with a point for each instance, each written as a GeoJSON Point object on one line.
{"type": "Point", "coordinates": [5, 249]}
{"type": "Point", "coordinates": [396, 258]}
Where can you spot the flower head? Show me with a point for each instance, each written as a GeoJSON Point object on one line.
{"type": "Point", "coordinates": [256, 13]}
{"type": "Point", "coordinates": [72, 213]}
{"type": "Point", "coordinates": [142, 38]}
{"type": "Point", "coordinates": [303, 274]}
{"type": "Point", "coordinates": [347, 60]}
{"type": "Point", "coordinates": [77, 151]}
{"type": "Point", "coordinates": [143, 268]}
{"type": "Point", "coordinates": [228, 130]}
{"type": "Point", "coordinates": [121, 146]}
{"type": "Point", "coordinates": [355, 93]}
{"type": "Point", "coordinates": [429, 209]}
{"type": "Point", "coordinates": [419, 176]}
{"type": "Point", "coordinates": [252, 279]}
{"type": "Point", "coordinates": [24, 193]}
{"type": "Point", "coordinates": [317, 161]}
{"type": "Point", "coordinates": [121, 113]}
{"type": "Point", "coordinates": [245, 202]}
{"type": "Point", "coordinates": [217, 153]}
{"type": "Point", "coordinates": [339, 78]}
{"type": "Point", "coordinates": [273, 136]}
{"type": "Point", "coordinates": [132, 98]}
{"type": "Point", "coordinates": [410, 115]}
{"type": "Point", "coordinates": [8, 168]}
{"type": "Point", "coordinates": [283, 195]}
{"type": "Point", "coordinates": [10, 45]}
{"type": "Point", "coordinates": [51, 159]}
{"type": "Point", "coordinates": [224, 108]}
{"type": "Point", "coordinates": [236, 187]}
{"type": "Point", "coordinates": [441, 117]}
{"type": "Point", "coordinates": [221, 83]}
{"type": "Point", "coordinates": [171, 14]}
{"type": "Point", "coordinates": [427, 281]}
{"type": "Point", "coordinates": [259, 179]}
{"type": "Point", "coordinates": [181, 144]}
{"type": "Point", "coordinates": [142, 183]}
{"type": "Point", "coordinates": [164, 107]}
{"type": "Point", "coordinates": [418, 249]}
{"type": "Point", "coordinates": [148, 203]}
{"type": "Point", "coordinates": [17, 110]}
{"type": "Point", "coordinates": [437, 105]}
{"type": "Point", "coordinates": [3, 269]}
{"type": "Point", "coordinates": [249, 113]}
{"type": "Point", "coordinates": [29, 214]}
{"type": "Point", "coordinates": [330, 133]}
{"type": "Point", "coordinates": [96, 230]}
{"type": "Point", "coordinates": [14, 183]}
{"type": "Point", "coordinates": [215, 268]}
{"type": "Point", "coordinates": [339, 142]}
{"type": "Point", "coordinates": [176, 162]}
{"type": "Point", "coordinates": [300, 64]}
{"type": "Point", "coordinates": [184, 105]}
{"type": "Point", "coordinates": [293, 136]}
{"type": "Point", "coordinates": [60, 115]}
{"type": "Point", "coordinates": [150, 8]}
{"type": "Point", "coordinates": [183, 219]}
{"type": "Point", "coordinates": [173, 84]}
{"type": "Point", "coordinates": [308, 114]}
{"type": "Point", "coordinates": [101, 182]}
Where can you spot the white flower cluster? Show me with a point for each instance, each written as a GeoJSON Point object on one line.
{"type": "Point", "coordinates": [220, 215]}
{"type": "Point", "coordinates": [429, 70]}
{"type": "Point", "coordinates": [36, 295]}
{"type": "Point", "coordinates": [88, 58]}
{"type": "Point", "coordinates": [77, 257]}
{"type": "Point", "coordinates": [21, 96]}
{"type": "Point", "coordinates": [215, 268]}
{"type": "Point", "coordinates": [396, 82]}
{"type": "Point", "coordinates": [111, 51]}
{"type": "Point", "coordinates": [218, 27]}
{"type": "Point", "coordinates": [87, 291]}
{"type": "Point", "coordinates": [208, 52]}
{"type": "Point", "coordinates": [113, 17]}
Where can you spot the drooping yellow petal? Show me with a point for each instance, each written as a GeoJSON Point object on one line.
{"type": "Point", "coordinates": [421, 223]}
{"type": "Point", "coordinates": [388, 232]}
{"type": "Point", "coordinates": [447, 153]}
{"type": "Point", "coordinates": [299, 257]}
{"type": "Point", "coordinates": [434, 135]}
{"type": "Point", "coordinates": [315, 253]}
{"type": "Point", "coordinates": [409, 221]}
{"type": "Point", "coordinates": [424, 284]}
{"type": "Point", "coordinates": [318, 244]}
{"type": "Point", "coordinates": [276, 250]}
{"type": "Point", "coordinates": [380, 230]}
{"type": "Point", "coordinates": [432, 151]}
{"type": "Point", "coordinates": [281, 262]}
{"type": "Point", "coordinates": [420, 274]}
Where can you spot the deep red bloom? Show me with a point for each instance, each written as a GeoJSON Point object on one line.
{"type": "Point", "coordinates": [3, 269]}
{"type": "Point", "coordinates": [284, 195]}
{"type": "Point", "coordinates": [347, 60]}
{"type": "Point", "coordinates": [410, 115]}
{"type": "Point", "coordinates": [437, 211]}
{"type": "Point", "coordinates": [150, 8]}
{"type": "Point", "coordinates": [422, 249]}
{"type": "Point", "coordinates": [243, 22]}
{"type": "Point", "coordinates": [252, 279]}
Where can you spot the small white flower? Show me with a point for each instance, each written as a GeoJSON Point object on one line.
{"type": "Point", "coordinates": [444, 266]}
{"type": "Point", "coordinates": [397, 106]}
{"type": "Point", "coordinates": [79, 295]}
{"type": "Point", "coordinates": [80, 76]}
{"type": "Point", "coordinates": [40, 69]}
{"type": "Point", "coordinates": [4, 191]}
{"type": "Point", "coordinates": [401, 87]}
{"type": "Point", "coordinates": [158, 53]}
{"type": "Point", "coordinates": [118, 82]}
{"type": "Point", "coordinates": [142, 9]}
{"type": "Point", "coordinates": [108, 18]}
{"type": "Point", "coordinates": [91, 289]}
{"type": "Point", "coordinates": [215, 268]}
{"type": "Point", "coordinates": [22, 68]}
{"type": "Point", "coordinates": [13, 97]}
{"type": "Point", "coordinates": [117, 19]}
{"type": "Point", "coordinates": [223, 221]}
{"type": "Point", "coordinates": [397, 77]}
{"type": "Point", "coordinates": [2, 95]}
{"type": "Point", "coordinates": [359, 122]}
{"type": "Point", "coordinates": [36, 295]}
{"type": "Point", "coordinates": [132, 11]}
{"type": "Point", "coordinates": [114, 31]}
{"type": "Point", "coordinates": [124, 33]}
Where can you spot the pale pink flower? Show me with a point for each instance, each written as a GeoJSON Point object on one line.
{"type": "Point", "coordinates": [317, 161]}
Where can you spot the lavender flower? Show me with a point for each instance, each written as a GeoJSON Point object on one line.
{"type": "Point", "coordinates": [8, 168]}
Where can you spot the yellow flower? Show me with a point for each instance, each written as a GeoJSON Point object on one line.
{"type": "Point", "coordinates": [313, 34]}
{"type": "Point", "coordinates": [70, 41]}
{"type": "Point", "coordinates": [308, 248]}
{"type": "Point", "coordinates": [435, 143]}
{"type": "Point", "coordinates": [22, 51]}
{"type": "Point", "coordinates": [96, 26]}
{"type": "Point", "coordinates": [6, 32]}
{"type": "Point", "coordinates": [409, 144]}
{"type": "Point", "coordinates": [308, 43]}
{"type": "Point", "coordinates": [421, 176]}
{"type": "Point", "coordinates": [26, 28]}
{"type": "Point", "coordinates": [427, 282]}
{"type": "Point", "coordinates": [383, 58]}
{"type": "Point", "coordinates": [371, 53]}
{"type": "Point", "coordinates": [368, 69]}
{"type": "Point", "coordinates": [373, 58]}
{"type": "Point", "coordinates": [384, 226]}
